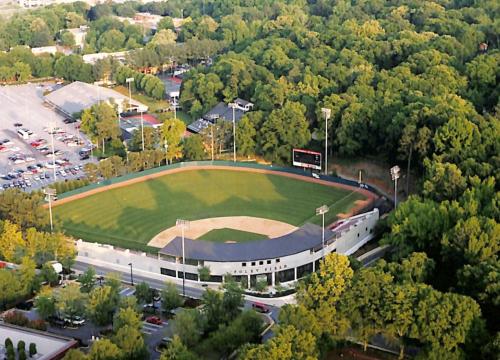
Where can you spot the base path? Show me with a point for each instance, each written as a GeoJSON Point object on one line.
{"type": "Point", "coordinates": [197, 228]}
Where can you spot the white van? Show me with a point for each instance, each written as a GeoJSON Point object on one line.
{"type": "Point", "coordinates": [23, 134]}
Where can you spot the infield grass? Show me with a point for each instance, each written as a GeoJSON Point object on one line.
{"type": "Point", "coordinates": [130, 216]}
{"type": "Point", "coordinates": [223, 235]}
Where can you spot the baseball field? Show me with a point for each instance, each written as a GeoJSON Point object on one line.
{"type": "Point", "coordinates": [130, 216]}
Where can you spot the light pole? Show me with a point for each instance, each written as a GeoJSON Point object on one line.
{"type": "Point", "coordinates": [233, 106]}
{"type": "Point", "coordinates": [131, 274]}
{"type": "Point", "coordinates": [142, 130]}
{"type": "Point", "coordinates": [184, 224]}
{"type": "Point", "coordinates": [395, 176]}
{"type": "Point", "coordinates": [128, 81]}
{"type": "Point", "coordinates": [49, 192]}
{"type": "Point", "coordinates": [52, 126]}
{"type": "Point", "coordinates": [326, 113]}
{"type": "Point", "coordinates": [166, 152]}
{"type": "Point", "coordinates": [322, 210]}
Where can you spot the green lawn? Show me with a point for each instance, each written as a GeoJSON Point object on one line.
{"type": "Point", "coordinates": [223, 235]}
{"type": "Point", "coordinates": [131, 216]}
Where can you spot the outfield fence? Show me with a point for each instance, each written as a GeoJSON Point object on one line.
{"type": "Point", "coordinates": [194, 164]}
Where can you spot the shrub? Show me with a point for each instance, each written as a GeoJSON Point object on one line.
{"type": "Point", "coordinates": [32, 349]}
{"type": "Point", "coordinates": [21, 346]}
{"type": "Point", "coordinates": [38, 324]}
{"type": "Point", "coordinates": [11, 355]}
{"type": "Point", "coordinates": [261, 285]}
{"type": "Point", "coordinates": [21, 355]}
{"type": "Point", "coordinates": [8, 342]}
{"type": "Point", "coordinates": [16, 318]}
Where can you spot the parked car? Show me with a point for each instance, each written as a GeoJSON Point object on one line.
{"type": "Point", "coordinates": [154, 320]}
{"type": "Point", "coordinates": [259, 307]}
{"type": "Point", "coordinates": [75, 321]}
{"type": "Point", "coordinates": [56, 321]}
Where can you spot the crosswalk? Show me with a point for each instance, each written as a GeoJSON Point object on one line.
{"type": "Point", "coordinates": [149, 329]}
{"type": "Point", "coordinates": [127, 291]}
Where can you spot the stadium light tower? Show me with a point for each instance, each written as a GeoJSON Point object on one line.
{"type": "Point", "coordinates": [326, 113]}
{"type": "Point", "coordinates": [49, 193]}
{"type": "Point", "coordinates": [395, 176]}
{"type": "Point", "coordinates": [234, 106]}
{"type": "Point", "coordinates": [184, 225]}
{"type": "Point", "coordinates": [128, 81]}
{"type": "Point", "coordinates": [322, 210]}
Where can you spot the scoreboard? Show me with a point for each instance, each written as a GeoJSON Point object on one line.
{"type": "Point", "coordinates": [307, 159]}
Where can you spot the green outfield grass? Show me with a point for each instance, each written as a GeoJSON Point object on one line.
{"type": "Point", "coordinates": [131, 216]}
{"type": "Point", "coordinates": [223, 235]}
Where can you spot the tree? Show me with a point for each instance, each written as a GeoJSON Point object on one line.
{"type": "Point", "coordinates": [87, 280]}
{"type": "Point", "coordinates": [143, 293]}
{"type": "Point", "coordinates": [443, 320]}
{"type": "Point", "coordinates": [70, 301]}
{"type": "Point", "coordinates": [131, 343]}
{"type": "Point", "coordinates": [164, 37]}
{"type": "Point", "coordinates": [288, 344]}
{"type": "Point", "coordinates": [127, 317]}
{"type": "Point", "coordinates": [232, 300]}
{"type": "Point", "coordinates": [45, 303]}
{"type": "Point", "coordinates": [101, 305]}
{"type": "Point", "coordinates": [170, 297]}
{"type": "Point", "coordinates": [74, 354]}
{"type": "Point", "coordinates": [204, 273]}
{"type": "Point", "coordinates": [193, 148]}
{"type": "Point", "coordinates": [188, 326]}
{"type": "Point", "coordinates": [67, 39]}
{"type": "Point", "coordinates": [276, 141]}
{"type": "Point", "coordinates": [172, 133]}
{"type": "Point", "coordinates": [213, 309]}
{"type": "Point", "coordinates": [27, 276]}
{"type": "Point", "coordinates": [177, 351]}
{"type": "Point", "coordinates": [245, 137]}
{"type": "Point", "coordinates": [104, 349]}
{"type": "Point", "coordinates": [23, 209]}
{"type": "Point", "coordinates": [48, 274]}
{"type": "Point", "coordinates": [11, 241]}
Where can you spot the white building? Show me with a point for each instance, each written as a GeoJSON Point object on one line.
{"type": "Point", "coordinates": [285, 259]}
{"type": "Point", "coordinates": [79, 96]}
{"type": "Point", "coordinates": [79, 34]}
{"type": "Point", "coordinates": [92, 58]}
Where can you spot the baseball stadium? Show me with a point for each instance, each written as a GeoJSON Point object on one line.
{"type": "Point", "coordinates": [230, 217]}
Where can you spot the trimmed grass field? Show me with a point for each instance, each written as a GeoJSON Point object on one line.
{"type": "Point", "coordinates": [129, 217]}
{"type": "Point", "coordinates": [223, 235]}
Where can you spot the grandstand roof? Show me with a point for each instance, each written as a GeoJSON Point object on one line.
{"type": "Point", "coordinates": [305, 238]}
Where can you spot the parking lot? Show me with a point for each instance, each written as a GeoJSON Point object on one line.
{"type": "Point", "coordinates": [26, 159]}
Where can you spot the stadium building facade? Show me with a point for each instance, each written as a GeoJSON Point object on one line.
{"type": "Point", "coordinates": [284, 259]}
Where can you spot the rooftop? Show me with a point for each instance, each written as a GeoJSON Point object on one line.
{"type": "Point", "coordinates": [305, 238]}
{"type": "Point", "coordinates": [78, 96]}
{"type": "Point", "coordinates": [49, 346]}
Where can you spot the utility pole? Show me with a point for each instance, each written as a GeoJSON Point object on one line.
{"type": "Point", "coordinates": [326, 113]}
{"type": "Point", "coordinates": [395, 176]}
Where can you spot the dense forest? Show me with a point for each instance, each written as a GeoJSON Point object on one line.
{"type": "Point", "coordinates": [412, 82]}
